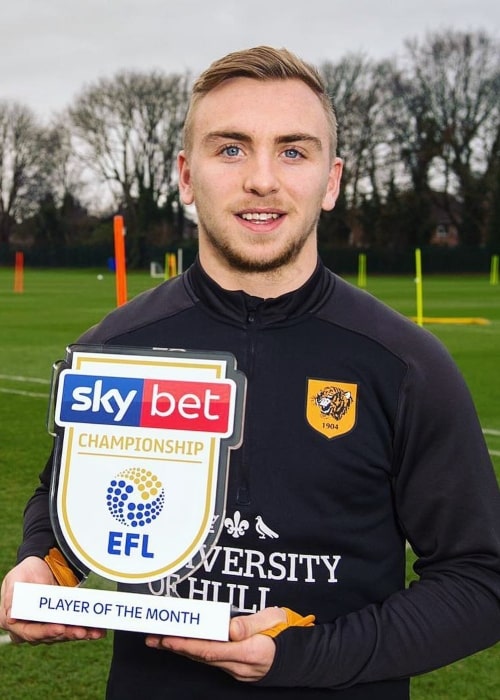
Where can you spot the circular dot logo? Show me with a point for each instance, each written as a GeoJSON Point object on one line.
{"type": "Point", "coordinates": [135, 497]}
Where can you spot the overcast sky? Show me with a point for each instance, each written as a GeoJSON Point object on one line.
{"type": "Point", "coordinates": [51, 49]}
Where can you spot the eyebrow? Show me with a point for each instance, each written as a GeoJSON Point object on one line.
{"type": "Point", "coordinates": [298, 137]}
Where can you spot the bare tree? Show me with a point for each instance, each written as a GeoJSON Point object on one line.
{"type": "Point", "coordinates": [62, 218]}
{"type": "Point", "coordinates": [455, 79]}
{"type": "Point", "coordinates": [359, 93]}
{"type": "Point", "coordinates": [127, 130]}
{"type": "Point", "coordinates": [492, 181]}
{"type": "Point", "coordinates": [22, 165]}
{"type": "Point", "coordinates": [65, 170]}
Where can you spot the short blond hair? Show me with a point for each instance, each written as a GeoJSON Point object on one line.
{"type": "Point", "coordinates": [260, 63]}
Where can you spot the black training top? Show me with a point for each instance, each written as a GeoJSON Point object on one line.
{"type": "Point", "coordinates": [359, 436]}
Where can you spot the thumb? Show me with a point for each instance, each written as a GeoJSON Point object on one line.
{"type": "Point", "coordinates": [246, 626]}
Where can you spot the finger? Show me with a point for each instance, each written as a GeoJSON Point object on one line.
{"type": "Point", "coordinates": [248, 660]}
{"type": "Point", "coordinates": [33, 632]}
{"type": "Point", "coordinates": [199, 649]}
{"type": "Point", "coordinates": [246, 626]}
{"type": "Point", "coordinates": [48, 633]}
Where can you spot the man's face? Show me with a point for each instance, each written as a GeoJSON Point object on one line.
{"type": "Point", "coordinates": [259, 172]}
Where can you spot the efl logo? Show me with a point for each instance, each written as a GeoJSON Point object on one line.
{"type": "Point", "coordinates": [145, 403]}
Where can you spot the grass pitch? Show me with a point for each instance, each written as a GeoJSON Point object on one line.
{"type": "Point", "coordinates": [55, 308]}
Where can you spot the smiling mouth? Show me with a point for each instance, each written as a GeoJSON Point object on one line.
{"type": "Point", "coordinates": [260, 216]}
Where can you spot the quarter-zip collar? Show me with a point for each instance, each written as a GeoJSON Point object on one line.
{"type": "Point", "coordinates": [235, 306]}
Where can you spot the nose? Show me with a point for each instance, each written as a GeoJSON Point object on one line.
{"type": "Point", "coordinates": [261, 176]}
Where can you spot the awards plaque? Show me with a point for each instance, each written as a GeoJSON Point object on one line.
{"type": "Point", "coordinates": [142, 441]}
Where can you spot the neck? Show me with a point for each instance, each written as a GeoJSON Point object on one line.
{"type": "Point", "coordinates": [285, 277]}
{"type": "Point", "coordinates": [266, 285]}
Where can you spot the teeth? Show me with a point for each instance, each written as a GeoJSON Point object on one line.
{"type": "Point", "coordinates": [259, 216]}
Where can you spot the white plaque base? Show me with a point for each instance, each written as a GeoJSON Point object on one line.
{"type": "Point", "coordinates": [135, 612]}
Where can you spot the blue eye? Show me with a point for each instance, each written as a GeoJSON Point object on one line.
{"type": "Point", "coordinates": [292, 153]}
{"type": "Point", "coordinates": [231, 151]}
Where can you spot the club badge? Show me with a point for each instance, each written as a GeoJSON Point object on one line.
{"type": "Point", "coordinates": [331, 407]}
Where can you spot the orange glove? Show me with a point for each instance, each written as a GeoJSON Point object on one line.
{"type": "Point", "coordinates": [60, 569]}
{"type": "Point", "coordinates": [293, 619]}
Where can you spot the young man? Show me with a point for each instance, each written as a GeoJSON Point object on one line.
{"type": "Point", "coordinates": [359, 434]}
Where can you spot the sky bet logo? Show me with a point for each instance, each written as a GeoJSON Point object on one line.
{"type": "Point", "coordinates": [145, 403]}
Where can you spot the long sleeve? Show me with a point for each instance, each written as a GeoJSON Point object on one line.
{"type": "Point", "coordinates": [448, 504]}
{"type": "Point", "coordinates": [413, 466]}
{"type": "Point", "coordinates": [38, 536]}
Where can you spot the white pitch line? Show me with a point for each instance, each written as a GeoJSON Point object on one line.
{"type": "Point", "coordinates": [24, 393]}
{"type": "Point", "coordinates": [5, 639]}
{"type": "Point", "coordinates": [18, 378]}
{"type": "Point", "coordinates": [495, 453]}
{"type": "Point", "coordinates": [490, 431]}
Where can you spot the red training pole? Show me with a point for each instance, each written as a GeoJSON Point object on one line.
{"type": "Point", "coordinates": [120, 266]}
{"type": "Point", "coordinates": [19, 272]}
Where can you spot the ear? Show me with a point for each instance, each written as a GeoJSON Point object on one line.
{"type": "Point", "coordinates": [185, 186]}
{"type": "Point", "coordinates": [333, 186]}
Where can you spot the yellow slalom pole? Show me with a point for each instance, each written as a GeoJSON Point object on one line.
{"type": "Point", "coordinates": [494, 269]}
{"type": "Point", "coordinates": [419, 287]}
{"type": "Point", "coordinates": [362, 270]}
{"type": "Point", "coordinates": [173, 265]}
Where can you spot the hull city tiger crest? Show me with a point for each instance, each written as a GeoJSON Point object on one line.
{"type": "Point", "coordinates": [141, 457]}
{"type": "Point", "coordinates": [331, 406]}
